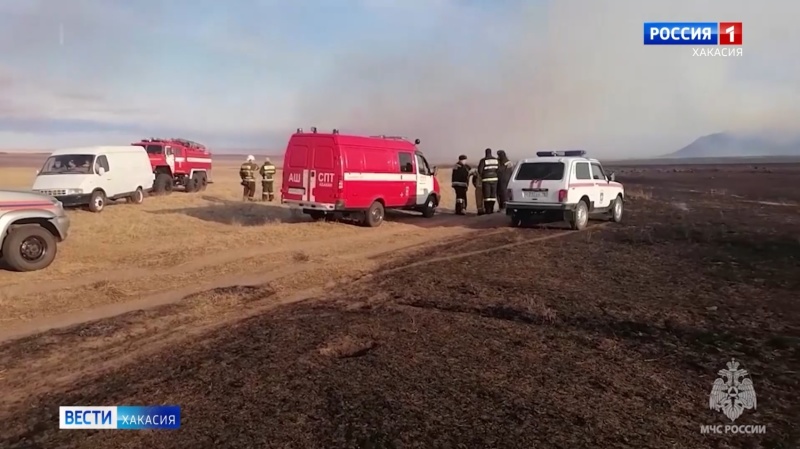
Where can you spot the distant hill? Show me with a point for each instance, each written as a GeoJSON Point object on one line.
{"type": "Point", "coordinates": [731, 145]}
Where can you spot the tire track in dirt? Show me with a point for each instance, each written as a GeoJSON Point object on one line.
{"type": "Point", "coordinates": [232, 255]}
{"type": "Point", "coordinates": [362, 251]}
{"type": "Point", "coordinates": [482, 251]}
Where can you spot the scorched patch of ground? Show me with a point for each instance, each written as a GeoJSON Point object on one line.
{"type": "Point", "coordinates": [608, 339]}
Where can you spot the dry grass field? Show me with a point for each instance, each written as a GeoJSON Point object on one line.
{"type": "Point", "coordinates": [273, 331]}
{"type": "Point", "coordinates": [184, 241]}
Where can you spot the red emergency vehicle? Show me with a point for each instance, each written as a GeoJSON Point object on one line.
{"type": "Point", "coordinates": [327, 174]}
{"type": "Point", "coordinates": [177, 162]}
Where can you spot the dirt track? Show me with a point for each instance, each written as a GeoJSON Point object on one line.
{"type": "Point", "coordinates": [516, 347]}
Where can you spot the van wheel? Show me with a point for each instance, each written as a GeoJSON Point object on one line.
{"type": "Point", "coordinates": [429, 209]}
{"type": "Point", "coordinates": [191, 184]}
{"type": "Point", "coordinates": [579, 218]}
{"type": "Point", "coordinates": [97, 202]}
{"type": "Point", "coordinates": [374, 215]}
{"type": "Point", "coordinates": [163, 184]}
{"type": "Point", "coordinates": [29, 248]}
{"type": "Point", "coordinates": [137, 197]}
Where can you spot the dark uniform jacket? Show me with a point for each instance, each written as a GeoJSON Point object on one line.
{"type": "Point", "coordinates": [460, 175]}
{"type": "Point", "coordinates": [487, 169]}
{"type": "Point", "coordinates": [267, 172]}
{"type": "Point", "coordinates": [504, 173]}
{"type": "Point", "coordinates": [248, 171]}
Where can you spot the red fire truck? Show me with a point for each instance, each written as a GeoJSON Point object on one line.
{"type": "Point", "coordinates": [177, 162]}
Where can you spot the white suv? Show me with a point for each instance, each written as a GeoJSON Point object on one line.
{"type": "Point", "coordinates": [563, 185]}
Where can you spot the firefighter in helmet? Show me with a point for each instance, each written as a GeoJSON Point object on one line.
{"type": "Point", "coordinates": [248, 172]}
{"type": "Point", "coordinates": [487, 170]}
{"type": "Point", "coordinates": [267, 180]}
{"type": "Point", "coordinates": [460, 183]}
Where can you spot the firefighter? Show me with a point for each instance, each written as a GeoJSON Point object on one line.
{"type": "Point", "coordinates": [504, 175]}
{"type": "Point", "coordinates": [460, 182]}
{"type": "Point", "coordinates": [487, 170]}
{"type": "Point", "coordinates": [248, 172]}
{"type": "Point", "coordinates": [476, 182]}
{"type": "Point", "coordinates": [267, 180]}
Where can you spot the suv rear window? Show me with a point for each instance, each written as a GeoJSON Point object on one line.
{"type": "Point", "coordinates": [530, 171]}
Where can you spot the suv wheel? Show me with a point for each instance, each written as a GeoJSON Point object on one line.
{"type": "Point", "coordinates": [579, 217]}
{"type": "Point", "coordinates": [97, 202]}
{"type": "Point", "coordinates": [29, 248]}
{"type": "Point", "coordinates": [616, 210]}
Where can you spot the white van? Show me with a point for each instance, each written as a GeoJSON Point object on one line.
{"type": "Point", "coordinates": [91, 176]}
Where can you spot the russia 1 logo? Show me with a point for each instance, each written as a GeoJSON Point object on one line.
{"type": "Point", "coordinates": [730, 33]}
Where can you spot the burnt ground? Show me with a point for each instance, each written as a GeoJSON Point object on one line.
{"type": "Point", "coordinates": [603, 339]}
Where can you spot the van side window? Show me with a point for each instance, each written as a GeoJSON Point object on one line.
{"type": "Point", "coordinates": [406, 163]}
{"type": "Point", "coordinates": [101, 161]}
{"type": "Point", "coordinates": [422, 166]}
{"type": "Point", "coordinates": [582, 171]}
{"type": "Point", "coordinates": [597, 172]}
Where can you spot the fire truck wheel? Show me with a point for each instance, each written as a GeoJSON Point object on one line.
{"type": "Point", "coordinates": [373, 217]}
{"type": "Point", "coordinates": [203, 182]}
{"type": "Point", "coordinates": [97, 202]}
{"type": "Point", "coordinates": [162, 184]}
{"type": "Point", "coordinates": [191, 185]}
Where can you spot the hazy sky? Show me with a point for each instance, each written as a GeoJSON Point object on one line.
{"type": "Point", "coordinates": [461, 75]}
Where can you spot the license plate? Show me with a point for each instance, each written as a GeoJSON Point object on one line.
{"type": "Point", "coordinates": [533, 194]}
{"type": "Point", "coordinates": [296, 191]}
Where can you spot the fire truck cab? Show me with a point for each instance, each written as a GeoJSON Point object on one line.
{"type": "Point", "coordinates": [177, 162]}
{"type": "Point", "coordinates": [331, 174]}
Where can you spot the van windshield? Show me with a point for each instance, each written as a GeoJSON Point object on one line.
{"type": "Point", "coordinates": [540, 171]}
{"type": "Point", "coordinates": [79, 164]}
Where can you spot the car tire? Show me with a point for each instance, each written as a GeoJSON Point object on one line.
{"type": "Point", "coordinates": [373, 217]}
{"type": "Point", "coordinates": [579, 218]}
{"type": "Point", "coordinates": [19, 256]}
{"type": "Point", "coordinates": [516, 221]}
{"type": "Point", "coordinates": [97, 202]}
{"type": "Point", "coordinates": [617, 209]}
{"type": "Point", "coordinates": [429, 209]}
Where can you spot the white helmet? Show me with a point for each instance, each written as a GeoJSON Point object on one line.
{"type": "Point", "coordinates": [251, 158]}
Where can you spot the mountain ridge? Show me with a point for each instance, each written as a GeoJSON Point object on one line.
{"type": "Point", "coordinates": [727, 144]}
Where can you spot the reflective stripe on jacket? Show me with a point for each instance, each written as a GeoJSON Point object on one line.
{"type": "Point", "coordinates": [488, 169]}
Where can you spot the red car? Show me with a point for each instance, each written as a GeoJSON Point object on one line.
{"type": "Point", "coordinates": [357, 176]}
